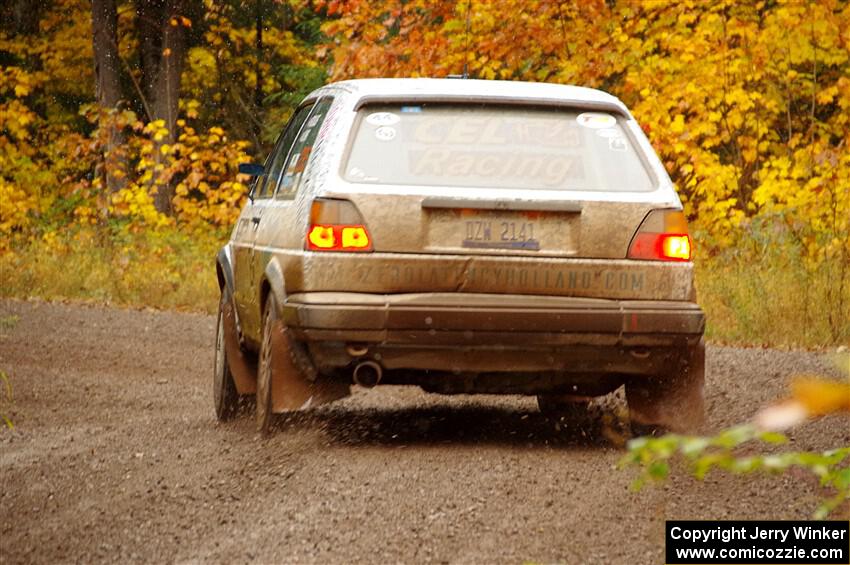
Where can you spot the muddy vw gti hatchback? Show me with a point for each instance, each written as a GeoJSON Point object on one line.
{"type": "Point", "coordinates": [467, 237]}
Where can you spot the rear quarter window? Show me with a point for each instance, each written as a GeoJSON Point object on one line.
{"type": "Point", "coordinates": [487, 146]}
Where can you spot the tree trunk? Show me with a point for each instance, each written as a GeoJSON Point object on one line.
{"type": "Point", "coordinates": [149, 18]}
{"type": "Point", "coordinates": [108, 88]}
{"type": "Point", "coordinates": [21, 16]}
{"type": "Point", "coordinates": [162, 49]}
{"type": "Point", "coordinates": [166, 86]}
{"type": "Point", "coordinates": [258, 46]}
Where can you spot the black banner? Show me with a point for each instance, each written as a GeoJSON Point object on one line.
{"type": "Point", "coordinates": [765, 542]}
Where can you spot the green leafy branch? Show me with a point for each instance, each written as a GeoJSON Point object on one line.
{"type": "Point", "coordinates": [703, 454]}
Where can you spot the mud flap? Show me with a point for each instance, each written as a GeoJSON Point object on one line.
{"type": "Point", "coordinates": [242, 367]}
{"type": "Point", "coordinates": [674, 401]}
{"type": "Point", "coordinates": [295, 383]}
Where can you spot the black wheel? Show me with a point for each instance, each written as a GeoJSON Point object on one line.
{"type": "Point", "coordinates": [673, 401]}
{"type": "Point", "coordinates": [225, 397]}
{"type": "Point", "coordinates": [264, 370]}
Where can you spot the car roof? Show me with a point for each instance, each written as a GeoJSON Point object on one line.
{"type": "Point", "coordinates": [390, 88]}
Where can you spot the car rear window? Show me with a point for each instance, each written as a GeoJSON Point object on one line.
{"type": "Point", "coordinates": [486, 146]}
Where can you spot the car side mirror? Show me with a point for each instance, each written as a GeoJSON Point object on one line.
{"type": "Point", "coordinates": [251, 169]}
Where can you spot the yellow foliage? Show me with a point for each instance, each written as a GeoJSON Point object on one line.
{"type": "Point", "coordinates": [208, 164]}
{"type": "Point", "coordinates": [15, 206]}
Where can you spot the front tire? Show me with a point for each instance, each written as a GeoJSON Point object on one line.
{"type": "Point", "coordinates": [225, 396]}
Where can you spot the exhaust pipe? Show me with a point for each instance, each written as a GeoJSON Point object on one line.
{"type": "Point", "coordinates": [367, 374]}
{"type": "Point", "coordinates": [640, 353]}
{"type": "Point", "coordinates": [356, 349]}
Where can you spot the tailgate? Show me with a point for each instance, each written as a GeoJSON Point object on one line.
{"type": "Point", "coordinates": [421, 224]}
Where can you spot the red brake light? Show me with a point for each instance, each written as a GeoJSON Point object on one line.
{"type": "Point", "coordinates": [676, 246]}
{"type": "Point", "coordinates": [355, 237]}
{"type": "Point", "coordinates": [322, 237]}
{"type": "Point", "coordinates": [663, 236]}
{"type": "Point", "coordinates": [338, 238]}
{"type": "Point", "coordinates": [336, 225]}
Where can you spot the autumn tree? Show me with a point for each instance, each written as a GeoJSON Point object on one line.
{"type": "Point", "coordinates": [108, 87]}
{"type": "Point", "coordinates": [162, 30]}
{"type": "Point", "coordinates": [253, 65]}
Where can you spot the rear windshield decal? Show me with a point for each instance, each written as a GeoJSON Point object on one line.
{"type": "Point", "coordinates": [550, 169]}
{"type": "Point", "coordinates": [617, 144]}
{"type": "Point", "coordinates": [596, 120]}
{"type": "Point", "coordinates": [385, 133]}
{"type": "Point", "coordinates": [382, 119]}
{"type": "Point", "coordinates": [608, 132]}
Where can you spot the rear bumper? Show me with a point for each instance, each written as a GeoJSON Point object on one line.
{"type": "Point", "coordinates": [465, 333]}
{"type": "Point", "coordinates": [424, 318]}
{"type": "Point", "coordinates": [457, 332]}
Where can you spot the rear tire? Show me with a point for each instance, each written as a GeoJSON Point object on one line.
{"type": "Point", "coordinates": [225, 396]}
{"type": "Point", "coordinates": [264, 413]}
{"type": "Point", "coordinates": [673, 401]}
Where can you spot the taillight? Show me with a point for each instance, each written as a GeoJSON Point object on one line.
{"type": "Point", "coordinates": [336, 225]}
{"type": "Point", "coordinates": [663, 236]}
{"type": "Point", "coordinates": [676, 246]}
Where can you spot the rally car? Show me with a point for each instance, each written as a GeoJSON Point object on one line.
{"type": "Point", "coordinates": [463, 236]}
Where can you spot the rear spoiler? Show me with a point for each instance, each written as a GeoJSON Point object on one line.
{"type": "Point", "coordinates": [586, 105]}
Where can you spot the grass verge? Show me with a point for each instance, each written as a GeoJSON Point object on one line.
{"type": "Point", "coordinates": [774, 298]}
{"type": "Point", "coordinates": [163, 269]}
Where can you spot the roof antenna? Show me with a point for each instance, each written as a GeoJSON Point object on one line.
{"type": "Point", "coordinates": [466, 39]}
{"type": "Point", "coordinates": [466, 46]}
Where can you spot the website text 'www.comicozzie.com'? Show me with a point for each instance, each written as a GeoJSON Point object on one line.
{"type": "Point", "coordinates": [688, 554]}
{"type": "Point", "coordinates": [763, 542]}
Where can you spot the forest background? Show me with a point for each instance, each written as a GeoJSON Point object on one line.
{"type": "Point", "coordinates": [122, 124]}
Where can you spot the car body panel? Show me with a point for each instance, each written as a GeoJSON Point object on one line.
{"type": "Point", "coordinates": [396, 272]}
{"type": "Point", "coordinates": [241, 244]}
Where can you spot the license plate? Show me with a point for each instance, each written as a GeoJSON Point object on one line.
{"type": "Point", "coordinates": [500, 235]}
{"type": "Point", "coordinates": [498, 232]}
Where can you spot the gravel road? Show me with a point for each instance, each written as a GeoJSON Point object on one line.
{"type": "Point", "coordinates": [116, 457]}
